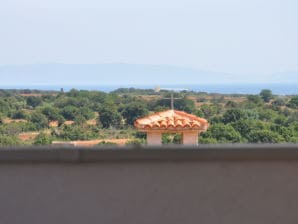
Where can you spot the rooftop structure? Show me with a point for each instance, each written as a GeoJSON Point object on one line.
{"type": "Point", "coordinates": [172, 121]}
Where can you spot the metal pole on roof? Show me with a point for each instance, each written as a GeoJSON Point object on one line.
{"type": "Point", "coordinates": [172, 101]}
{"type": "Point", "coordinates": [157, 89]}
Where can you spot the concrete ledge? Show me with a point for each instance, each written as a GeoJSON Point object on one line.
{"type": "Point", "coordinates": [201, 153]}
{"type": "Point", "coordinates": [209, 184]}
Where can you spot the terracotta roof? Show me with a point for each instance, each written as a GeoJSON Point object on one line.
{"type": "Point", "coordinates": [171, 120]}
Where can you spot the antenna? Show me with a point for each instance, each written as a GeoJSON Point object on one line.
{"type": "Point", "coordinates": [157, 89]}
{"type": "Point", "coordinates": [172, 100]}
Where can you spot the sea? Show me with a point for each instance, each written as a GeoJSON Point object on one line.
{"type": "Point", "coordinates": [277, 89]}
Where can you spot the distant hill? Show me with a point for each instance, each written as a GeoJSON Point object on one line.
{"type": "Point", "coordinates": [126, 74]}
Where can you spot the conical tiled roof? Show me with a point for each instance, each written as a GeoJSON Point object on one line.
{"type": "Point", "coordinates": [171, 120]}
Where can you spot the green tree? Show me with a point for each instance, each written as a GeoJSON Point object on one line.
{"type": "Point", "coordinates": [207, 141]}
{"type": "Point", "coordinates": [110, 118]}
{"type": "Point", "coordinates": [281, 120]}
{"type": "Point", "coordinates": [6, 140]}
{"type": "Point", "coordinates": [264, 136]}
{"type": "Point", "coordinates": [293, 117]}
{"type": "Point", "coordinates": [209, 110]}
{"type": "Point", "coordinates": [294, 127]}
{"type": "Point", "coordinates": [75, 133]}
{"type": "Point", "coordinates": [39, 119]}
{"type": "Point", "coordinates": [20, 114]}
{"type": "Point", "coordinates": [293, 103]}
{"type": "Point", "coordinates": [136, 142]}
{"type": "Point", "coordinates": [15, 128]}
{"type": "Point", "coordinates": [69, 112]}
{"type": "Point", "coordinates": [279, 102]}
{"type": "Point", "coordinates": [266, 95]}
{"type": "Point", "coordinates": [286, 132]}
{"type": "Point", "coordinates": [4, 107]}
{"type": "Point", "coordinates": [233, 115]}
{"type": "Point", "coordinates": [133, 111]}
{"type": "Point", "coordinates": [267, 114]}
{"type": "Point", "coordinates": [80, 120]}
{"type": "Point", "coordinates": [1, 118]}
{"type": "Point", "coordinates": [33, 101]}
{"type": "Point", "coordinates": [199, 113]}
{"type": "Point", "coordinates": [245, 126]}
{"type": "Point", "coordinates": [51, 113]}
{"type": "Point", "coordinates": [257, 100]}
{"type": "Point", "coordinates": [85, 112]}
{"type": "Point", "coordinates": [231, 104]}
{"type": "Point", "coordinates": [43, 139]}
{"type": "Point", "coordinates": [169, 138]}
{"type": "Point", "coordinates": [222, 133]}
{"type": "Point", "coordinates": [183, 104]}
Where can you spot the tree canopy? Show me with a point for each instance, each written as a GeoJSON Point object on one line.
{"type": "Point", "coordinates": [85, 115]}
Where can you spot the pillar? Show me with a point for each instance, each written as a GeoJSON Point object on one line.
{"type": "Point", "coordinates": [190, 137]}
{"type": "Point", "coordinates": [154, 138]}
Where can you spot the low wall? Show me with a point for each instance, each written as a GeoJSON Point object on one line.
{"type": "Point", "coordinates": [213, 184]}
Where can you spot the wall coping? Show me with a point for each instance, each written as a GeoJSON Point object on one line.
{"type": "Point", "coordinates": [208, 153]}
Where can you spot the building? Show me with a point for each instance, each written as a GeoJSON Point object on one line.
{"type": "Point", "coordinates": [172, 121]}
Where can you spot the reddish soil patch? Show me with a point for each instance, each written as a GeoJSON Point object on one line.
{"type": "Point", "coordinates": [91, 143]}
{"type": "Point", "coordinates": [8, 121]}
{"type": "Point", "coordinates": [92, 122]}
{"type": "Point", "coordinates": [53, 124]}
{"type": "Point", "coordinates": [69, 122]}
{"type": "Point", "coordinates": [37, 94]}
{"type": "Point", "coordinates": [31, 94]}
{"type": "Point", "coordinates": [28, 136]}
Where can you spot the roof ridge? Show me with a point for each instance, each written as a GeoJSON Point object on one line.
{"type": "Point", "coordinates": [181, 119]}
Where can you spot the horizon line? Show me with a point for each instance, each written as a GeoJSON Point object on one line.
{"type": "Point", "coordinates": [149, 64]}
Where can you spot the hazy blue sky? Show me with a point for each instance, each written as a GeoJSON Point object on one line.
{"type": "Point", "coordinates": [233, 36]}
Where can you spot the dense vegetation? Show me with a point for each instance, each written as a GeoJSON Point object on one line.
{"type": "Point", "coordinates": [84, 115]}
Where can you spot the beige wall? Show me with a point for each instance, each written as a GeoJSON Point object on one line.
{"type": "Point", "coordinates": [154, 138]}
{"type": "Point", "coordinates": [137, 192]}
{"type": "Point", "coordinates": [190, 137]}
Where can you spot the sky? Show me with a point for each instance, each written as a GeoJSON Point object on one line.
{"type": "Point", "coordinates": [252, 37]}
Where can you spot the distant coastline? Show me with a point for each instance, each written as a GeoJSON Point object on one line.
{"type": "Point", "coordinates": [107, 77]}
{"type": "Point", "coordinates": [278, 89]}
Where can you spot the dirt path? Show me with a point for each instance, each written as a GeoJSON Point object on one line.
{"type": "Point", "coordinates": [90, 143]}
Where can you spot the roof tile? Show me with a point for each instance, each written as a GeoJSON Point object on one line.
{"type": "Point", "coordinates": [171, 119]}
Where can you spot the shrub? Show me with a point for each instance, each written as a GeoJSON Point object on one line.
{"type": "Point", "coordinates": [293, 103]}
{"type": "Point", "coordinates": [135, 142]}
{"type": "Point", "coordinates": [104, 143]}
{"type": "Point", "coordinates": [6, 140]}
{"type": "Point", "coordinates": [43, 139]}
{"type": "Point", "coordinates": [264, 136]}
{"type": "Point", "coordinates": [222, 133]}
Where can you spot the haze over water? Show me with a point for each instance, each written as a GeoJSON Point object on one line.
{"type": "Point", "coordinates": [278, 89]}
{"type": "Point", "coordinates": [193, 42]}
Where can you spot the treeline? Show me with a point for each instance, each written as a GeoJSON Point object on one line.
{"type": "Point", "coordinates": [260, 118]}
{"type": "Point", "coordinates": [263, 118]}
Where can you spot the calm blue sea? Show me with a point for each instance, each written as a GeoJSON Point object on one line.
{"type": "Point", "coordinates": [279, 89]}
